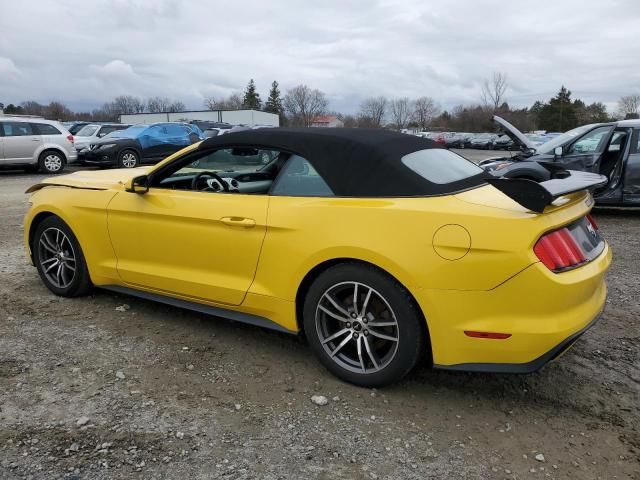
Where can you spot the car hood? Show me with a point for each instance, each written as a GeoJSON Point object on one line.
{"type": "Point", "coordinates": [91, 180]}
{"type": "Point", "coordinates": [513, 133]}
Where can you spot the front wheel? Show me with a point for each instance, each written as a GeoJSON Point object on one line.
{"type": "Point", "coordinates": [128, 159]}
{"type": "Point", "coordinates": [59, 259]}
{"type": "Point", "coordinates": [363, 325]}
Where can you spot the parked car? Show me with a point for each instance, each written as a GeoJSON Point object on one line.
{"type": "Point", "coordinates": [378, 271]}
{"type": "Point", "coordinates": [483, 141]}
{"type": "Point", "coordinates": [610, 149]}
{"type": "Point", "coordinates": [74, 127]}
{"type": "Point", "coordinates": [537, 139]}
{"type": "Point", "coordinates": [503, 142]}
{"type": "Point", "coordinates": [35, 144]}
{"type": "Point", "coordinates": [91, 132]}
{"type": "Point", "coordinates": [451, 140]}
{"type": "Point", "coordinates": [141, 144]}
{"type": "Point", "coordinates": [437, 137]}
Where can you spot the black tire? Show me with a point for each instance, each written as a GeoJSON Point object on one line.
{"type": "Point", "coordinates": [128, 159]}
{"type": "Point", "coordinates": [76, 283]}
{"type": "Point", "coordinates": [51, 161]}
{"type": "Point", "coordinates": [392, 302]}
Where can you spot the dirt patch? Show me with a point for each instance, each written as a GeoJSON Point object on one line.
{"type": "Point", "coordinates": [87, 391]}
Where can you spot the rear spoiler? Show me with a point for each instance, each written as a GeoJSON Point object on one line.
{"type": "Point", "coordinates": [536, 196]}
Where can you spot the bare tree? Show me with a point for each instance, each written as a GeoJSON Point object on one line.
{"type": "Point", "coordinates": [176, 106]}
{"type": "Point", "coordinates": [424, 110]}
{"type": "Point", "coordinates": [372, 112]}
{"type": "Point", "coordinates": [493, 91]}
{"type": "Point", "coordinates": [126, 104]}
{"type": "Point", "coordinates": [629, 106]}
{"type": "Point", "coordinates": [33, 108]}
{"type": "Point", "coordinates": [232, 102]}
{"type": "Point", "coordinates": [304, 104]}
{"type": "Point", "coordinates": [158, 104]}
{"type": "Point", "coordinates": [400, 112]}
{"type": "Point", "coordinates": [58, 111]}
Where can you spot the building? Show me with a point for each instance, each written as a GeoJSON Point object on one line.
{"type": "Point", "coordinates": [327, 121]}
{"type": "Point", "coordinates": [234, 117]}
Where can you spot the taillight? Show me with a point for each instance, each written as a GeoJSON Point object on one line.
{"type": "Point", "coordinates": [558, 250]}
{"type": "Point", "coordinates": [70, 138]}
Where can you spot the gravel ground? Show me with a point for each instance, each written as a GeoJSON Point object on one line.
{"type": "Point", "coordinates": [111, 386]}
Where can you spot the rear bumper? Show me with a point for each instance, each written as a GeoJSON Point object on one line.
{"type": "Point", "coordinates": [528, 367]}
{"type": "Point", "coordinates": [544, 312]}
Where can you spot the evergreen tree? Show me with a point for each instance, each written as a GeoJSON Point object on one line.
{"type": "Point", "coordinates": [559, 115]}
{"type": "Point", "coordinates": [251, 98]}
{"type": "Point", "coordinates": [274, 102]}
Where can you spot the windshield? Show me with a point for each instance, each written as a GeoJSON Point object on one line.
{"type": "Point", "coordinates": [550, 146]}
{"type": "Point", "coordinates": [87, 131]}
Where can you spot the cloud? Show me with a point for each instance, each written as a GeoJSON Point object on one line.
{"type": "Point", "coordinates": [8, 69]}
{"type": "Point", "coordinates": [114, 68]}
{"type": "Point", "coordinates": [350, 50]}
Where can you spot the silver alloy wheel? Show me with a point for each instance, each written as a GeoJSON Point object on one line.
{"type": "Point", "coordinates": [57, 257]}
{"type": "Point", "coordinates": [357, 327]}
{"type": "Point", "coordinates": [53, 162]}
{"type": "Point", "coordinates": [129, 160]}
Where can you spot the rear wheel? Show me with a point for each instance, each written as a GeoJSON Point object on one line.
{"type": "Point", "coordinates": [128, 159]}
{"type": "Point", "coordinates": [59, 259]}
{"type": "Point", "coordinates": [363, 325]}
{"type": "Point", "coordinates": [51, 161]}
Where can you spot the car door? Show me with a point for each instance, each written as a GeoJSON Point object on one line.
{"type": "Point", "coordinates": [201, 245]}
{"type": "Point", "coordinates": [19, 142]}
{"type": "Point", "coordinates": [631, 180]}
{"type": "Point", "coordinates": [584, 153]}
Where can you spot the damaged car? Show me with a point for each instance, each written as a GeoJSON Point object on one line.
{"type": "Point", "coordinates": [609, 149]}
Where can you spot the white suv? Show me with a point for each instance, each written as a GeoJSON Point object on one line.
{"type": "Point", "coordinates": [35, 143]}
{"type": "Point", "coordinates": [93, 132]}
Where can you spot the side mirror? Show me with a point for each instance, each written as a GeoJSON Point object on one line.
{"type": "Point", "coordinates": [557, 151]}
{"type": "Point", "coordinates": [138, 184]}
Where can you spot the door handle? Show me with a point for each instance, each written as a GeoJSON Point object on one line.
{"type": "Point", "coordinates": [238, 222]}
{"type": "Point", "coordinates": [35, 139]}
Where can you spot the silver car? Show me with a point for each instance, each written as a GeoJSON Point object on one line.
{"type": "Point", "coordinates": [35, 144]}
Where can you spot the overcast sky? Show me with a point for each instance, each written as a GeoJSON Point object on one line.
{"type": "Point", "coordinates": [86, 52]}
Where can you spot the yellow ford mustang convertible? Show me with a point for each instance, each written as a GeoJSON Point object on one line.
{"type": "Point", "coordinates": [380, 247]}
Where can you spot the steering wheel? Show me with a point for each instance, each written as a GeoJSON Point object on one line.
{"type": "Point", "coordinates": [195, 183]}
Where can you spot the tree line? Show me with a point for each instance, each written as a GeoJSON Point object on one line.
{"type": "Point", "coordinates": [301, 105]}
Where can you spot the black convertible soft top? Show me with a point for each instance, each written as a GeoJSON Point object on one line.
{"type": "Point", "coordinates": [353, 162]}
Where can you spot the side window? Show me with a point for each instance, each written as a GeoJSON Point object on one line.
{"type": "Point", "coordinates": [244, 170]}
{"type": "Point", "coordinates": [235, 159]}
{"type": "Point", "coordinates": [617, 141]}
{"type": "Point", "coordinates": [17, 129]}
{"type": "Point", "coordinates": [592, 142]}
{"type": "Point", "coordinates": [299, 179]}
{"type": "Point", "coordinates": [635, 145]}
{"type": "Point", "coordinates": [45, 129]}
{"type": "Point", "coordinates": [106, 131]}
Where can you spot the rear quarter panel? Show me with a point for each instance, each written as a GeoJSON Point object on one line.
{"type": "Point", "coordinates": [397, 235]}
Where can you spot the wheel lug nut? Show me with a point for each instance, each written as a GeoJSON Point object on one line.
{"type": "Point", "coordinates": [348, 324]}
{"type": "Point", "coordinates": [355, 334]}
{"type": "Point", "coordinates": [353, 315]}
